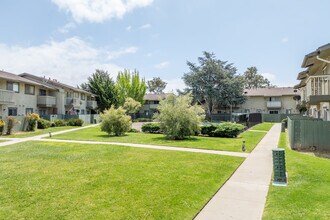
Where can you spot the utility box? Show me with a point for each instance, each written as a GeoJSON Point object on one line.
{"type": "Point", "coordinates": [280, 175]}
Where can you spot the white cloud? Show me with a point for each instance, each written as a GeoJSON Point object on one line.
{"type": "Point", "coordinates": [174, 84]}
{"type": "Point", "coordinates": [128, 28]}
{"type": "Point", "coordinates": [145, 26]}
{"type": "Point", "coordinates": [99, 10]}
{"type": "Point", "coordinates": [162, 65]}
{"type": "Point", "coordinates": [121, 52]}
{"type": "Point", "coordinates": [285, 40]}
{"type": "Point", "coordinates": [271, 77]}
{"type": "Point", "coordinates": [67, 27]}
{"type": "Point", "coordinates": [70, 61]}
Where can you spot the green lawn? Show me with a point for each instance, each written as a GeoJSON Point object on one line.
{"type": "Point", "coordinates": [266, 126]}
{"type": "Point", "coordinates": [225, 144]}
{"type": "Point", "coordinates": [41, 180]}
{"type": "Point", "coordinates": [24, 134]}
{"type": "Point", "coordinates": [307, 195]}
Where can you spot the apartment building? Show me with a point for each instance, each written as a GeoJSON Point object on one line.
{"type": "Point", "coordinates": [69, 99]}
{"type": "Point", "coordinates": [19, 96]}
{"type": "Point", "coordinates": [281, 100]}
{"type": "Point", "coordinates": [26, 93]}
{"type": "Point", "coordinates": [314, 83]}
{"type": "Point", "coordinates": [151, 102]}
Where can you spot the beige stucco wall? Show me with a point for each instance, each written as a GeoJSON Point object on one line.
{"type": "Point", "coordinates": [256, 103]}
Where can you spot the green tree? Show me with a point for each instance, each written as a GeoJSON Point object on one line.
{"type": "Point", "coordinates": [130, 85]}
{"type": "Point", "coordinates": [132, 106]}
{"type": "Point", "coordinates": [253, 80]}
{"type": "Point", "coordinates": [178, 118]}
{"type": "Point", "coordinates": [102, 85]}
{"type": "Point", "coordinates": [115, 121]}
{"type": "Point", "coordinates": [214, 83]}
{"type": "Point", "coordinates": [156, 85]}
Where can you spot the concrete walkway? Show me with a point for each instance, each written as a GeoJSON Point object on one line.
{"type": "Point", "coordinates": [10, 141]}
{"type": "Point", "coordinates": [243, 196]}
{"type": "Point", "coordinates": [194, 150]}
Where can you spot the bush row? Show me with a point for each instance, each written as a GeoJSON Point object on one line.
{"type": "Point", "coordinates": [153, 128]}
{"type": "Point", "coordinates": [43, 124]}
{"type": "Point", "coordinates": [225, 129]}
{"type": "Point", "coordinates": [142, 120]}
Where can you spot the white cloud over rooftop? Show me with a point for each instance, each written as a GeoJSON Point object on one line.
{"type": "Point", "coordinates": [99, 10]}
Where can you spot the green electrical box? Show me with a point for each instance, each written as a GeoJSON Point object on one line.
{"type": "Point", "coordinates": [280, 175]}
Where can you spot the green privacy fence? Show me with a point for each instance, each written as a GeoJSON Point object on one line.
{"type": "Point", "coordinates": [308, 133]}
{"type": "Point", "coordinates": [275, 117]}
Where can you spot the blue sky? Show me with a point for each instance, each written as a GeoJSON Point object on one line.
{"type": "Point", "coordinates": [69, 39]}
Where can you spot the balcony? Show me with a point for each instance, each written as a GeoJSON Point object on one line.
{"type": "Point", "coordinates": [46, 101]}
{"type": "Point", "coordinates": [73, 102]}
{"type": "Point", "coordinates": [6, 97]}
{"type": "Point", "coordinates": [316, 99]}
{"type": "Point", "coordinates": [274, 104]}
{"type": "Point", "coordinates": [91, 104]}
{"type": "Point", "coordinates": [153, 106]}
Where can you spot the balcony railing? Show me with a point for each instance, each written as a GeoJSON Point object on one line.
{"type": "Point", "coordinates": [6, 97]}
{"type": "Point", "coordinates": [73, 102]}
{"type": "Point", "coordinates": [274, 104]}
{"type": "Point", "coordinates": [91, 104]}
{"type": "Point", "coordinates": [46, 101]}
{"type": "Point", "coordinates": [153, 106]}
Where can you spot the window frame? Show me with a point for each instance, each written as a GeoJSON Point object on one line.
{"type": "Point", "coordinates": [12, 83]}
{"type": "Point", "coordinates": [28, 92]}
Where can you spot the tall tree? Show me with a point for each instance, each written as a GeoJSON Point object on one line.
{"type": "Point", "coordinates": [253, 80]}
{"type": "Point", "coordinates": [214, 83]}
{"type": "Point", "coordinates": [102, 85]}
{"type": "Point", "coordinates": [156, 85]}
{"type": "Point", "coordinates": [130, 85]}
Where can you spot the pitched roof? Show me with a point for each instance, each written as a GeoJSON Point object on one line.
{"type": "Point", "coordinates": [270, 92]}
{"type": "Point", "coordinates": [310, 58]}
{"type": "Point", "coordinates": [16, 78]}
{"type": "Point", "coordinates": [52, 83]}
{"type": "Point", "coordinates": [156, 97]}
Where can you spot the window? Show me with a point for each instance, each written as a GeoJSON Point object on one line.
{"type": "Point", "coordinates": [76, 95]}
{"type": "Point", "coordinates": [273, 112]}
{"type": "Point", "coordinates": [12, 111]}
{"type": "Point", "coordinates": [156, 102]}
{"type": "Point", "coordinates": [42, 92]}
{"type": "Point", "coordinates": [82, 112]}
{"type": "Point", "coordinates": [13, 86]}
{"type": "Point", "coordinates": [69, 94]}
{"type": "Point", "coordinates": [29, 89]}
{"type": "Point", "coordinates": [28, 110]}
{"type": "Point", "coordinates": [83, 96]}
{"type": "Point", "coordinates": [288, 111]}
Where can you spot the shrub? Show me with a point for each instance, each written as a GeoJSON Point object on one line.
{"type": "Point", "coordinates": [178, 118]}
{"type": "Point", "coordinates": [208, 129]}
{"type": "Point", "coordinates": [153, 128]}
{"type": "Point", "coordinates": [133, 130]}
{"type": "Point", "coordinates": [32, 119]}
{"type": "Point", "coordinates": [228, 129]}
{"type": "Point", "coordinates": [74, 122]}
{"type": "Point", "coordinates": [115, 121]}
{"type": "Point", "coordinates": [2, 126]}
{"type": "Point", "coordinates": [11, 122]}
{"type": "Point", "coordinates": [43, 123]}
{"type": "Point", "coordinates": [59, 123]}
{"type": "Point", "coordinates": [143, 120]}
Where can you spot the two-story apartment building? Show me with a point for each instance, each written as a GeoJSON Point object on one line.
{"type": "Point", "coordinates": [19, 96]}
{"type": "Point", "coordinates": [26, 93]}
{"type": "Point", "coordinates": [279, 100]}
{"type": "Point", "coordinates": [151, 102]}
{"type": "Point", "coordinates": [314, 83]}
{"type": "Point", "coordinates": [69, 99]}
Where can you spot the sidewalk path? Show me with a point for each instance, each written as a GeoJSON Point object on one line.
{"type": "Point", "coordinates": [243, 196]}
{"type": "Point", "coordinates": [10, 141]}
{"type": "Point", "coordinates": [227, 153]}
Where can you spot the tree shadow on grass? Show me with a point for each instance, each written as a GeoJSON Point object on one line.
{"type": "Point", "coordinates": [193, 139]}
